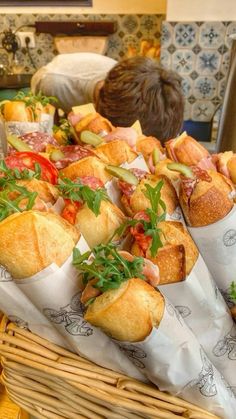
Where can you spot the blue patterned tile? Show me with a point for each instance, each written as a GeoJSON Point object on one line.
{"type": "Point", "coordinates": [205, 87]}
{"type": "Point", "coordinates": [130, 41]}
{"type": "Point", "coordinates": [185, 35]}
{"type": "Point", "coordinates": [167, 34]}
{"type": "Point", "coordinates": [208, 62]}
{"type": "Point", "coordinates": [183, 61]}
{"type": "Point", "coordinates": [212, 34]}
{"type": "Point", "coordinates": [165, 58]}
{"type": "Point", "coordinates": [187, 84]}
{"type": "Point", "coordinates": [202, 110]}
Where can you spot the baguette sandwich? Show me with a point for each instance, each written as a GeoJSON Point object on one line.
{"type": "Point", "coordinates": [32, 240]}
{"type": "Point", "coordinates": [123, 306]}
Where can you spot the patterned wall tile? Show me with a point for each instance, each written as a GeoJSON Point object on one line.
{"type": "Point", "coordinates": [131, 30]}
{"type": "Point", "coordinates": [208, 62]}
{"type": "Point", "coordinates": [183, 61]}
{"type": "Point", "coordinates": [185, 35]}
{"type": "Point", "coordinates": [212, 34]}
{"type": "Point", "coordinates": [200, 53]}
{"type": "Point", "coordinates": [202, 110]}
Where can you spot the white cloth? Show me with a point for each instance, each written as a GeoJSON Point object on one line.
{"type": "Point", "coordinates": [72, 77]}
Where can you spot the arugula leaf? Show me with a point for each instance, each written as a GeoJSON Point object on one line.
{"type": "Point", "coordinates": [12, 175]}
{"type": "Point", "coordinates": [76, 191]}
{"type": "Point", "coordinates": [106, 265]}
{"type": "Point", "coordinates": [15, 198]}
{"type": "Point", "coordinates": [233, 291]}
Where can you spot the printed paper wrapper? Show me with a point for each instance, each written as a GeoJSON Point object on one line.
{"type": "Point", "coordinates": [217, 244]}
{"type": "Point", "coordinates": [172, 358]}
{"type": "Point", "coordinates": [54, 292]}
{"type": "Point", "coordinates": [201, 305]}
{"type": "Point", "coordinates": [20, 310]}
{"type": "Point", "coordinates": [113, 191]}
{"type": "Point", "coordinates": [21, 128]}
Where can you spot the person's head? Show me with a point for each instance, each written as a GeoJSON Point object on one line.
{"type": "Point", "coordinates": [139, 88]}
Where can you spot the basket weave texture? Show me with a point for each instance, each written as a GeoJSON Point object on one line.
{"type": "Point", "coordinates": [51, 382]}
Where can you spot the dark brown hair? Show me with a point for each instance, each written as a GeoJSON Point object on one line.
{"type": "Point", "coordinates": [139, 88]}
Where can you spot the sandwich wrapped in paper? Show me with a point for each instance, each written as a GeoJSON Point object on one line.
{"type": "Point", "coordinates": [185, 280]}
{"type": "Point", "coordinates": [149, 330]}
{"type": "Point", "coordinates": [88, 207]}
{"type": "Point", "coordinates": [28, 113]}
{"type": "Point", "coordinates": [207, 200]}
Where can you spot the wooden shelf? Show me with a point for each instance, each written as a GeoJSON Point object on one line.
{"type": "Point", "coordinates": [77, 28]}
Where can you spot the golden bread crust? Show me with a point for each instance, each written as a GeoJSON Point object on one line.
{"type": "Point", "coordinates": [89, 166]}
{"type": "Point", "coordinates": [187, 150]}
{"type": "Point", "coordinates": [128, 313]}
{"type": "Point", "coordinates": [99, 229]}
{"type": "Point", "coordinates": [139, 202]}
{"type": "Point", "coordinates": [46, 191]}
{"type": "Point", "coordinates": [146, 145]}
{"type": "Point", "coordinates": [32, 240]}
{"type": "Point", "coordinates": [116, 152]}
{"type": "Point", "coordinates": [209, 201]}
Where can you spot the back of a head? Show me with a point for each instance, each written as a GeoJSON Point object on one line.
{"type": "Point", "coordinates": [139, 88]}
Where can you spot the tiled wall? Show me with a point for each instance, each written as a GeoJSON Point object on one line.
{"type": "Point", "coordinates": [131, 30]}
{"type": "Point", "coordinates": [200, 52]}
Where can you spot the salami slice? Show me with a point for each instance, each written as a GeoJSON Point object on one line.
{"type": "Point", "coordinates": [38, 141]}
{"type": "Point", "coordinates": [72, 153]}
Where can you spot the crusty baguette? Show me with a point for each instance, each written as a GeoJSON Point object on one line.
{"type": "Point", "coordinates": [162, 169]}
{"type": "Point", "coordinates": [128, 313]}
{"type": "Point", "coordinates": [186, 150]}
{"type": "Point", "coordinates": [89, 166]}
{"type": "Point", "coordinates": [46, 191]}
{"type": "Point", "coordinates": [115, 152]}
{"type": "Point", "coordinates": [99, 229]}
{"type": "Point", "coordinates": [209, 201]}
{"type": "Point", "coordinates": [178, 255]}
{"type": "Point", "coordinates": [32, 240]}
{"type": "Point", "coordinates": [146, 145]}
{"type": "Point", "coordinates": [139, 202]}
{"type": "Point", "coordinates": [17, 111]}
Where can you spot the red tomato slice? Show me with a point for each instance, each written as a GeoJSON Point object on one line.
{"type": "Point", "coordinates": [27, 159]}
{"type": "Point", "coordinates": [70, 210]}
{"type": "Point", "coordinates": [138, 233]}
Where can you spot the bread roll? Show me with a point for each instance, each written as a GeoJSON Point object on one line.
{"type": "Point", "coordinates": [99, 229]}
{"type": "Point", "coordinates": [208, 202]}
{"type": "Point", "coordinates": [128, 313]}
{"type": "Point", "coordinates": [146, 145]}
{"type": "Point", "coordinates": [186, 150]}
{"type": "Point", "coordinates": [89, 166]}
{"type": "Point", "coordinates": [32, 240]}
{"type": "Point", "coordinates": [178, 255]}
{"type": "Point", "coordinates": [17, 111]}
{"type": "Point", "coordinates": [139, 202]}
{"type": "Point", "coordinates": [46, 191]}
{"type": "Point", "coordinates": [162, 169]}
{"type": "Point", "coordinates": [115, 152]}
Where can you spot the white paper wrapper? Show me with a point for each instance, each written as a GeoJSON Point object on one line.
{"type": "Point", "coordinates": [20, 128]}
{"type": "Point", "coordinates": [217, 244]}
{"type": "Point", "coordinates": [200, 303]}
{"type": "Point", "coordinates": [172, 358]}
{"type": "Point", "coordinates": [55, 293]}
{"type": "Point", "coordinates": [21, 311]}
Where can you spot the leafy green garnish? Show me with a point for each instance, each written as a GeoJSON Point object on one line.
{"type": "Point", "coordinates": [15, 198]}
{"type": "Point", "coordinates": [76, 191]}
{"type": "Point", "coordinates": [12, 175]}
{"type": "Point", "coordinates": [107, 266]}
{"type": "Point", "coordinates": [233, 291]}
{"type": "Point", "coordinates": [150, 227]}
{"type": "Point", "coordinates": [32, 99]}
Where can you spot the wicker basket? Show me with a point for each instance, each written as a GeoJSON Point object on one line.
{"type": "Point", "coordinates": [50, 382]}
